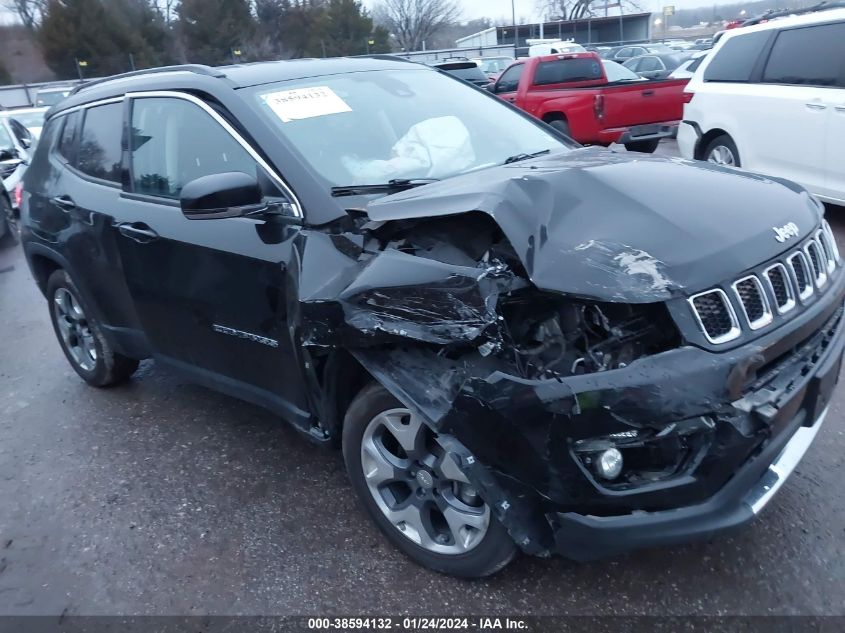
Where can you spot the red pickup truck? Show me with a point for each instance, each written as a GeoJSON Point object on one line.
{"type": "Point", "coordinates": [595, 101]}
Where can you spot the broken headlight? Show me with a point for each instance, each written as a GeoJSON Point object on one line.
{"type": "Point", "coordinates": [638, 457]}
{"type": "Point", "coordinates": [550, 336]}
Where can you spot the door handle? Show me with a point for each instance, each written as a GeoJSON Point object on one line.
{"type": "Point", "coordinates": [137, 231]}
{"type": "Point", "coordinates": [816, 106]}
{"type": "Point", "coordinates": [511, 99]}
{"type": "Point", "coordinates": [648, 93]}
{"type": "Point", "coordinates": [65, 203]}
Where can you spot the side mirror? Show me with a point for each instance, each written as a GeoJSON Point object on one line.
{"type": "Point", "coordinates": [27, 143]}
{"type": "Point", "coordinates": [229, 195]}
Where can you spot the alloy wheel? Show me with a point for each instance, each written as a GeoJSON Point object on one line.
{"type": "Point", "coordinates": [418, 485]}
{"type": "Point", "coordinates": [721, 155]}
{"type": "Point", "coordinates": [74, 329]}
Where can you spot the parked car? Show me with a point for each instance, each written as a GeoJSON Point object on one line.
{"type": "Point", "coordinates": [465, 69]}
{"type": "Point", "coordinates": [493, 66]}
{"type": "Point", "coordinates": [766, 101]}
{"type": "Point", "coordinates": [594, 101]}
{"type": "Point", "coordinates": [622, 54]}
{"type": "Point", "coordinates": [51, 95]}
{"type": "Point", "coordinates": [655, 65]}
{"type": "Point", "coordinates": [15, 144]}
{"type": "Point", "coordinates": [554, 48]}
{"type": "Point", "coordinates": [31, 118]}
{"type": "Point", "coordinates": [9, 226]}
{"type": "Point", "coordinates": [688, 68]}
{"type": "Point", "coordinates": [518, 342]}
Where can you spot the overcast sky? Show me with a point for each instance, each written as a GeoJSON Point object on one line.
{"type": "Point", "coordinates": [496, 9]}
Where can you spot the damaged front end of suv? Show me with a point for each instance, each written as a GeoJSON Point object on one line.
{"type": "Point", "coordinates": [603, 379]}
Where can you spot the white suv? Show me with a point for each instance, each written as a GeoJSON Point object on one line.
{"type": "Point", "coordinates": [771, 99]}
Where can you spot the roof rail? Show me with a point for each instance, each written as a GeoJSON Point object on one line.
{"type": "Point", "coordinates": [782, 13]}
{"type": "Point", "coordinates": [387, 57]}
{"type": "Point", "coordinates": [199, 69]}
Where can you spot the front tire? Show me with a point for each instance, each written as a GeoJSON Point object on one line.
{"type": "Point", "coordinates": [722, 151]}
{"type": "Point", "coordinates": [415, 492]}
{"type": "Point", "coordinates": [81, 337]}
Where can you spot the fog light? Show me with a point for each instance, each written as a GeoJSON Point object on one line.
{"type": "Point", "coordinates": [609, 463]}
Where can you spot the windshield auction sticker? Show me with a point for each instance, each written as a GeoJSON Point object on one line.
{"type": "Point", "coordinates": [305, 103]}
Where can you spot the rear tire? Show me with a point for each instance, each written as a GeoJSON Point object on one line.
{"type": "Point", "coordinates": [644, 147]}
{"type": "Point", "coordinates": [404, 492]}
{"type": "Point", "coordinates": [81, 337]}
{"type": "Point", "coordinates": [10, 231]}
{"type": "Point", "coordinates": [722, 151]}
{"type": "Point", "coordinates": [561, 126]}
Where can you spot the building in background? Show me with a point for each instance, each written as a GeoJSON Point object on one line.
{"type": "Point", "coordinates": [635, 27]}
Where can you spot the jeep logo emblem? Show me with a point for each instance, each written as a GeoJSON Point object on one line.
{"type": "Point", "coordinates": [785, 232]}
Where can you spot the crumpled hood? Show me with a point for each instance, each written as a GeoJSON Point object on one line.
{"type": "Point", "coordinates": [622, 227]}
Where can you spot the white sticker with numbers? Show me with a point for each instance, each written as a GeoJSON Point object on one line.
{"type": "Point", "coordinates": [305, 103]}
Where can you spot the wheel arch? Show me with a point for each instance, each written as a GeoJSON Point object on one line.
{"type": "Point", "coordinates": [706, 138]}
{"type": "Point", "coordinates": [343, 378]}
{"type": "Point", "coordinates": [557, 115]}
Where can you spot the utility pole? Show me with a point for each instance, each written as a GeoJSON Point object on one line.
{"type": "Point", "coordinates": [515, 30]}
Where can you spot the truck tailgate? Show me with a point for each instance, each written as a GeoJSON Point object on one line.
{"type": "Point", "coordinates": [638, 103]}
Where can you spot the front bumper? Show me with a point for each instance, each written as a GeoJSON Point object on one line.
{"type": "Point", "coordinates": [688, 138]}
{"type": "Point", "coordinates": [589, 537]}
{"type": "Point", "coordinates": [764, 401]}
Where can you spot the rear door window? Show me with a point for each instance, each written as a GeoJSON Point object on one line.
{"type": "Point", "coordinates": [99, 152]}
{"type": "Point", "coordinates": [649, 63]}
{"type": "Point", "coordinates": [809, 56]}
{"type": "Point", "coordinates": [567, 70]}
{"type": "Point", "coordinates": [735, 61]}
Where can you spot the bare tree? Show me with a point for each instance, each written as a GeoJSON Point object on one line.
{"type": "Point", "coordinates": [578, 9]}
{"type": "Point", "coordinates": [166, 9]}
{"type": "Point", "coordinates": [28, 11]}
{"type": "Point", "coordinates": [413, 22]}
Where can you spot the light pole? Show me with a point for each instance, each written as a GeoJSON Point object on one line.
{"type": "Point", "coordinates": [515, 30]}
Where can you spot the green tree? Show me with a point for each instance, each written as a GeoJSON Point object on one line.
{"type": "Point", "coordinates": [347, 30]}
{"type": "Point", "coordinates": [109, 35]}
{"type": "Point", "coordinates": [212, 29]}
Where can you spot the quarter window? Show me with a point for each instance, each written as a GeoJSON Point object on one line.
{"type": "Point", "coordinates": [174, 142]}
{"type": "Point", "coordinates": [99, 151]}
{"type": "Point", "coordinates": [811, 56]}
{"type": "Point", "coordinates": [648, 64]}
{"type": "Point", "coordinates": [67, 141]}
{"type": "Point", "coordinates": [736, 59]}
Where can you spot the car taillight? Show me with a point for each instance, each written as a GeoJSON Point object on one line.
{"type": "Point", "coordinates": [598, 106]}
{"type": "Point", "coordinates": [688, 96]}
{"type": "Point", "coordinates": [18, 195]}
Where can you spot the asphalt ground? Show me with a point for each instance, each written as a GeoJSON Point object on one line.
{"type": "Point", "coordinates": [160, 497]}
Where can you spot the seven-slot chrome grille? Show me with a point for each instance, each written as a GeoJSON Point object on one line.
{"type": "Point", "coordinates": [756, 298]}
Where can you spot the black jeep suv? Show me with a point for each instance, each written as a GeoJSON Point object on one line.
{"type": "Point", "coordinates": [519, 343]}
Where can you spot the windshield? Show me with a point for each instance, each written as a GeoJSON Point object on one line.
{"type": "Point", "coordinates": [494, 65]}
{"type": "Point", "coordinates": [372, 127]}
{"type": "Point", "coordinates": [51, 98]}
{"type": "Point", "coordinates": [5, 138]}
{"type": "Point", "coordinates": [618, 72]}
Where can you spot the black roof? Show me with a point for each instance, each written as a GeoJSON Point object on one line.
{"type": "Point", "coordinates": [194, 76]}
